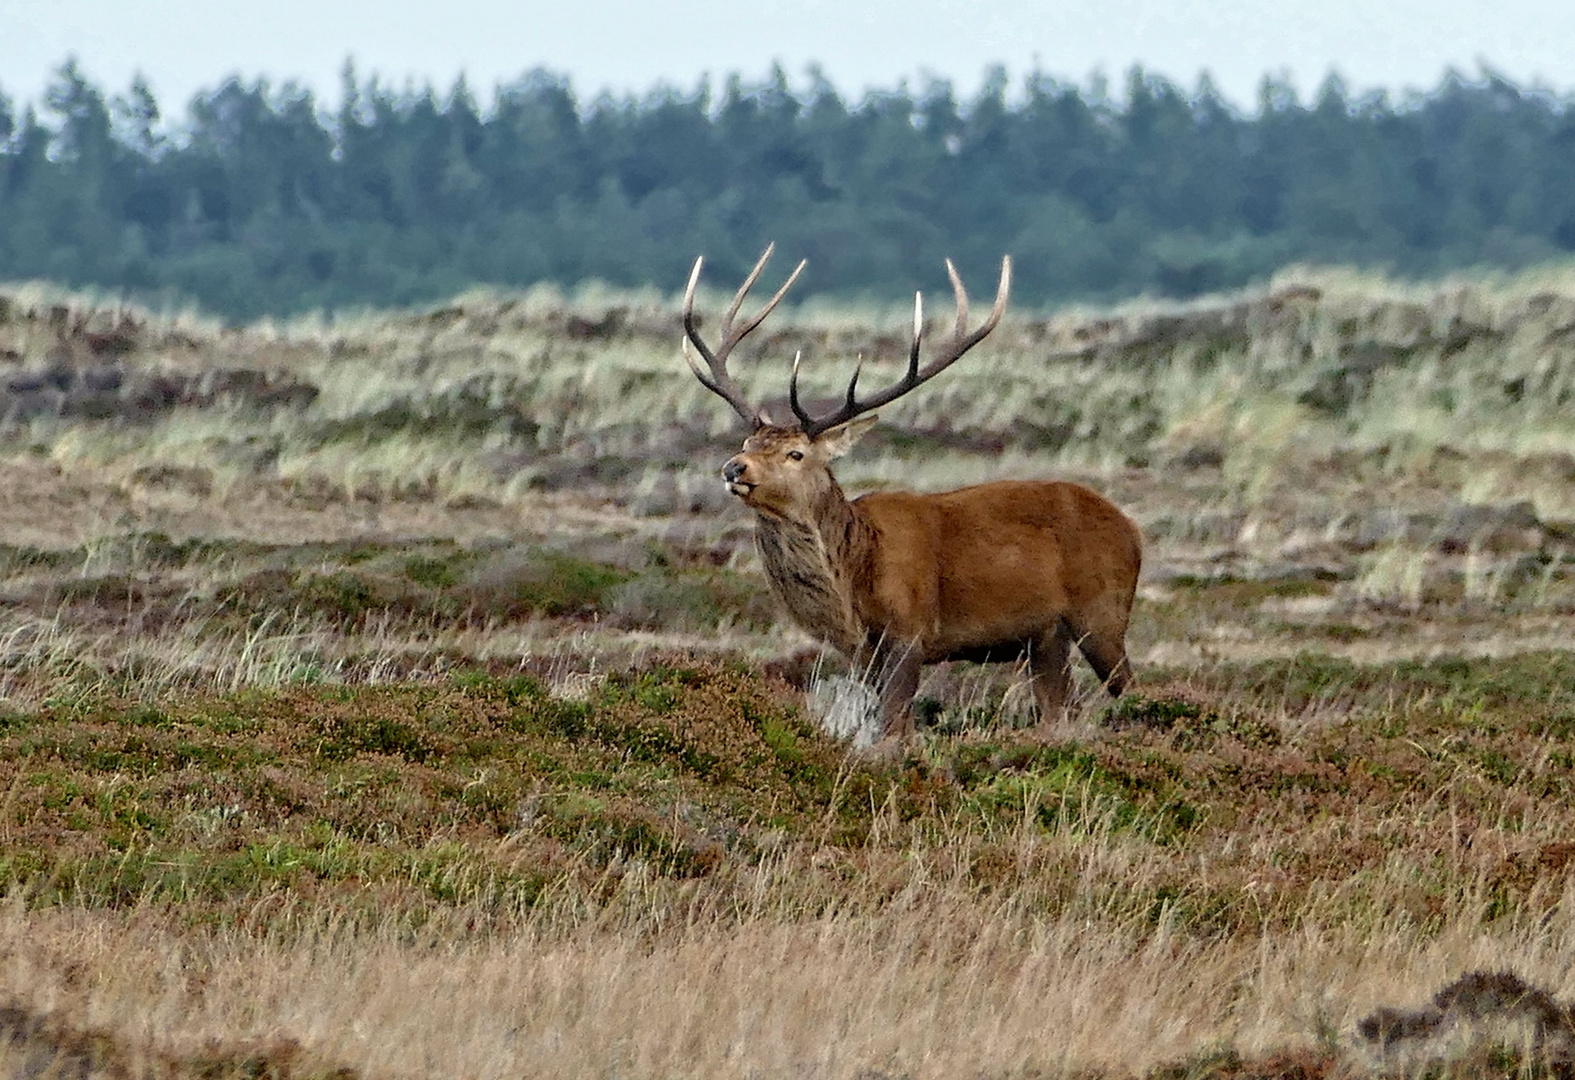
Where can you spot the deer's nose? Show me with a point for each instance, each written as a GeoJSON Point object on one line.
{"type": "Point", "coordinates": [733, 471]}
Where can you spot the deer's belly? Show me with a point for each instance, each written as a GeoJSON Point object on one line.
{"type": "Point", "coordinates": [1004, 652]}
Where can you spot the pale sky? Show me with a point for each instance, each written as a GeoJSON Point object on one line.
{"type": "Point", "coordinates": [184, 46]}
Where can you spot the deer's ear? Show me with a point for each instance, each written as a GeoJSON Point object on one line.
{"type": "Point", "coordinates": [840, 439]}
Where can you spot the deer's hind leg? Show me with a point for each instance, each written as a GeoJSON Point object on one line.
{"type": "Point", "coordinates": [1104, 647]}
{"type": "Point", "coordinates": [1049, 666]}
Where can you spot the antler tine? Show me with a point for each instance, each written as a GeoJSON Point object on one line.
{"type": "Point", "coordinates": [851, 402]}
{"type": "Point", "coordinates": [705, 380]}
{"type": "Point", "coordinates": [743, 290]}
{"type": "Point", "coordinates": [962, 301]}
{"type": "Point", "coordinates": [773, 302]}
{"type": "Point", "coordinates": [807, 422]}
{"type": "Point", "coordinates": [690, 333]}
{"type": "Point", "coordinates": [719, 381]}
{"type": "Point", "coordinates": [804, 419]}
{"type": "Point", "coordinates": [961, 342]}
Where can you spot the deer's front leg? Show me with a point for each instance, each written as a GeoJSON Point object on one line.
{"type": "Point", "coordinates": [897, 667]}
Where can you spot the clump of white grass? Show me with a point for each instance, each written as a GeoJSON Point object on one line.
{"type": "Point", "coordinates": [1395, 575]}
{"type": "Point", "coordinates": [846, 708]}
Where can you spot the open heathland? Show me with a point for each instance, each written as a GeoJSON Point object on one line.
{"type": "Point", "coordinates": [400, 696]}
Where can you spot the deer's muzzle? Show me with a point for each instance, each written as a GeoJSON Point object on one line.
{"type": "Point", "coordinates": [733, 474]}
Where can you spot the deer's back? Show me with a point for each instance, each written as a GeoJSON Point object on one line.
{"type": "Point", "coordinates": [997, 562]}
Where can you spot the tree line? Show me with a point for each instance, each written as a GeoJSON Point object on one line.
{"type": "Point", "coordinates": [261, 200]}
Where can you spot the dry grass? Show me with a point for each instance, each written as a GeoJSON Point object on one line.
{"type": "Point", "coordinates": [937, 991]}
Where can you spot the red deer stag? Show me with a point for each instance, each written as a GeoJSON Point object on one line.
{"type": "Point", "coordinates": [894, 579]}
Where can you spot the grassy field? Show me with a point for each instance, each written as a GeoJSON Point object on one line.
{"type": "Point", "coordinates": [399, 696]}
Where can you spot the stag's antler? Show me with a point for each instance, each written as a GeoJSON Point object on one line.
{"type": "Point", "coordinates": [961, 342]}
{"type": "Point", "coordinates": [719, 381]}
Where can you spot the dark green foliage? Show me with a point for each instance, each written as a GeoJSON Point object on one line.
{"type": "Point", "coordinates": [556, 584]}
{"type": "Point", "coordinates": [259, 201]}
{"type": "Point", "coordinates": [347, 736]}
{"type": "Point", "coordinates": [466, 411]}
{"type": "Point", "coordinates": [1188, 722]}
{"type": "Point", "coordinates": [431, 572]}
{"type": "Point", "coordinates": [1066, 786]}
{"type": "Point", "coordinates": [693, 599]}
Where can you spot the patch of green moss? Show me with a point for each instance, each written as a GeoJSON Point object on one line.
{"type": "Point", "coordinates": [434, 573]}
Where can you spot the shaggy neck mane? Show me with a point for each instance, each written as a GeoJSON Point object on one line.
{"type": "Point", "coordinates": [812, 564]}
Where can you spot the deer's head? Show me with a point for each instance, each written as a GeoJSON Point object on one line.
{"type": "Point", "coordinates": [785, 470]}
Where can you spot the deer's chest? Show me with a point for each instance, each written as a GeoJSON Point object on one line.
{"type": "Point", "coordinates": [810, 583]}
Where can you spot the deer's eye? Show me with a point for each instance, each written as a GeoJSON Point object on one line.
{"type": "Point", "coordinates": [796, 455]}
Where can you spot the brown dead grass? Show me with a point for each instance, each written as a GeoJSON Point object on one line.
{"type": "Point", "coordinates": [936, 984]}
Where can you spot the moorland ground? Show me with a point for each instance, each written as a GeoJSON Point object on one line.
{"type": "Point", "coordinates": [399, 696]}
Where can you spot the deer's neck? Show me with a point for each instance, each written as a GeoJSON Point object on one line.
{"type": "Point", "coordinates": [814, 564]}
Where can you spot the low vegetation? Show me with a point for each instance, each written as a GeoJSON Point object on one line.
{"type": "Point", "coordinates": [402, 698]}
{"type": "Point", "coordinates": [1275, 849]}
